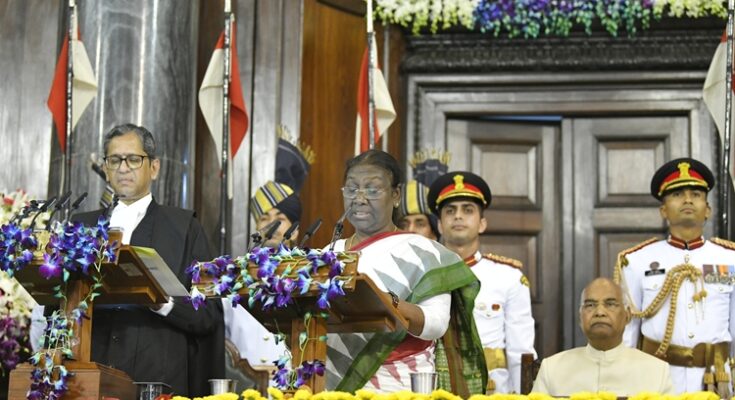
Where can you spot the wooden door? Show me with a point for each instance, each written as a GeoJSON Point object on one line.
{"type": "Point", "coordinates": [613, 160]}
{"type": "Point", "coordinates": [519, 161]}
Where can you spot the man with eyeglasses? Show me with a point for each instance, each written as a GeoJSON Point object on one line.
{"type": "Point", "coordinates": [681, 288]}
{"type": "Point", "coordinates": [606, 364]}
{"type": "Point", "coordinates": [172, 342]}
{"type": "Point", "coordinates": [502, 308]}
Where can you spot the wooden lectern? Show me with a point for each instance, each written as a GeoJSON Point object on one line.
{"type": "Point", "coordinates": [364, 308]}
{"type": "Point", "coordinates": [127, 281]}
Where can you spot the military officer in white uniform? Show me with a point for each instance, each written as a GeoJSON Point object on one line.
{"type": "Point", "coordinates": [503, 306]}
{"type": "Point", "coordinates": [681, 288]}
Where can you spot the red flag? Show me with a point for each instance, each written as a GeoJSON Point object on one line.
{"type": "Point", "coordinates": [385, 114]}
{"type": "Point", "coordinates": [84, 84]}
{"type": "Point", "coordinates": [210, 102]}
{"type": "Point", "coordinates": [57, 96]}
{"type": "Point", "coordinates": [210, 97]}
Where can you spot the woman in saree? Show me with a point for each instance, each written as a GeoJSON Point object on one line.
{"type": "Point", "coordinates": [418, 273]}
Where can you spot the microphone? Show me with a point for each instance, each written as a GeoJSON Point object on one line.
{"type": "Point", "coordinates": [59, 205]}
{"type": "Point", "coordinates": [290, 231]}
{"type": "Point", "coordinates": [310, 232]}
{"type": "Point", "coordinates": [101, 172]}
{"type": "Point", "coordinates": [338, 227]}
{"type": "Point", "coordinates": [257, 237]}
{"type": "Point", "coordinates": [272, 230]}
{"type": "Point", "coordinates": [46, 204]}
{"type": "Point", "coordinates": [25, 211]}
{"type": "Point", "coordinates": [78, 202]}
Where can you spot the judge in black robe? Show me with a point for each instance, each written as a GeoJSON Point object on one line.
{"type": "Point", "coordinates": [183, 349]}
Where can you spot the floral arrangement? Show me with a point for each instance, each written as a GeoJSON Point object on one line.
{"type": "Point", "coordinates": [530, 18]}
{"type": "Point", "coordinates": [73, 250]}
{"type": "Point", "coordinates": [15, 313]}
{"type": "Point", "coordinates": [16, 246]}
{"type": "Point", "coordinates": [271, 288]}
{"type": "Point", "coordinates": [303, 394]}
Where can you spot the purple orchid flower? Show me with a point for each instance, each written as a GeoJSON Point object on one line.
{"type": "Point", "coordinates": [196, 298]}
{"type": "Point", "coordinates": [51, 268]}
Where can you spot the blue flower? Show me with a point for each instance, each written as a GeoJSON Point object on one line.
{"type": "Point", "coordinates": [51, 268]}
{"type": "Point", "coordinates": [196, 298]}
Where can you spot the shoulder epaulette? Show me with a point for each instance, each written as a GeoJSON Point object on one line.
{"type": "Point", "coordinates": [723, 243]}
{"type": "Point", "coordinates": [504, 260]}
{"type": "Point", "coordinates": [622, 260]}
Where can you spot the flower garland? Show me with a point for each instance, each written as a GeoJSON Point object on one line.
{"type": "Point", "coordinates": [530, 18]}
{"type": "Point", "coordinates": [439, 394]}
{"type": "Point", "coordinates": [272, 289]}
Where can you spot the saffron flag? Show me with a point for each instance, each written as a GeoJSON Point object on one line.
{"type": "Point", "coordinates": [210, 101]}
{"type": "Point", "coordinates": [84, 84]}
{"type": "Point", "coordinates": [713, 92]}
{"type": "Point", "coordinates": [385, 114]}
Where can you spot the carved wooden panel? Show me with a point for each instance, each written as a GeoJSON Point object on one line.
{"type": "Point", "coordinates": [613, 162]}
{"type": "Point", "coordinates": [497, 161]}
{"type": "Point", "coordinates": [625, 168]}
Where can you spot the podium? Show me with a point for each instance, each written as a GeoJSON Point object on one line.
{"type": "Point", "coordinates": [132, 279]}
{"type": "Point", "coordinates": [363, 308]}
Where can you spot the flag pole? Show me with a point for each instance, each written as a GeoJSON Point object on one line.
{"type": "Point", "coordinates": [371, 65]}
{"type": "Point", "coordinates": [66, 175]}
{"type": "Point", "coordinates": [225, 129]}
{"type": "Point", "coordinates": [386, 74]}
{"type": "Point", "coordinates": [724, 173]}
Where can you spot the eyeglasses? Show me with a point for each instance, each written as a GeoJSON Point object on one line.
{"type": "Point", "coordinates": [350, 192]}
{"type": "Point", "coordinates": [134, 161]}
{"type": "Point", "coordinates": [610, 305]}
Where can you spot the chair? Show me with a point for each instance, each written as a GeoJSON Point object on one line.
{"type": "Point", "coordinates": [529, 370]}
{"type": "Point", "coordinates": [247, 376]}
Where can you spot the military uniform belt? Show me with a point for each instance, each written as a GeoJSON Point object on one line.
{"type": "Point", "coordinates": [698, 356]}
{"type": "Point", "coordinates": [494, 359]}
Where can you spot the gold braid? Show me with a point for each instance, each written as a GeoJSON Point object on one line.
{"type": "Point", "coordinates": [622, 260]}
{"type": "Point", "coordinates": [674, 279]}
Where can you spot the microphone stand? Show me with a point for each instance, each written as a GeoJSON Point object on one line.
{"type": "Point", "coordinates": [48, 203]}
{"type": "Point", "coordinates": [337, 233]}
{"type": "Point", "coordinates": [63, 200]}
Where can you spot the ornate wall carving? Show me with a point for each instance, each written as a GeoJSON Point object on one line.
{"type": "Point", "coordinates": [670, 45]}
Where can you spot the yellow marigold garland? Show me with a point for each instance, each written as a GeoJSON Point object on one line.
{"type": "Point", "coordinates": [303, 394]}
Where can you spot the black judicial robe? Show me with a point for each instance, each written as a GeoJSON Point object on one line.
{"type": "Point", "coordinates": [183, 349]}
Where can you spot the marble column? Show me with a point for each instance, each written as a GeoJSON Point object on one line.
{"type": "Point", "coordinates": [28, 32]}
{"type": "Point", "coordinates": [144, 55]}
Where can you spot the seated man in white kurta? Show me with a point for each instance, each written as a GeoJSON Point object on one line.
{"type": "Point", "coordinates": [605, 364]}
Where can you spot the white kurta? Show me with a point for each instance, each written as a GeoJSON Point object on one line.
{"type": "Point", "coordinates": [622, 370]}
{"type": "Point", "coordinates": [710, 321]}
{"type": "Point", "coordinates": [503, 317]}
